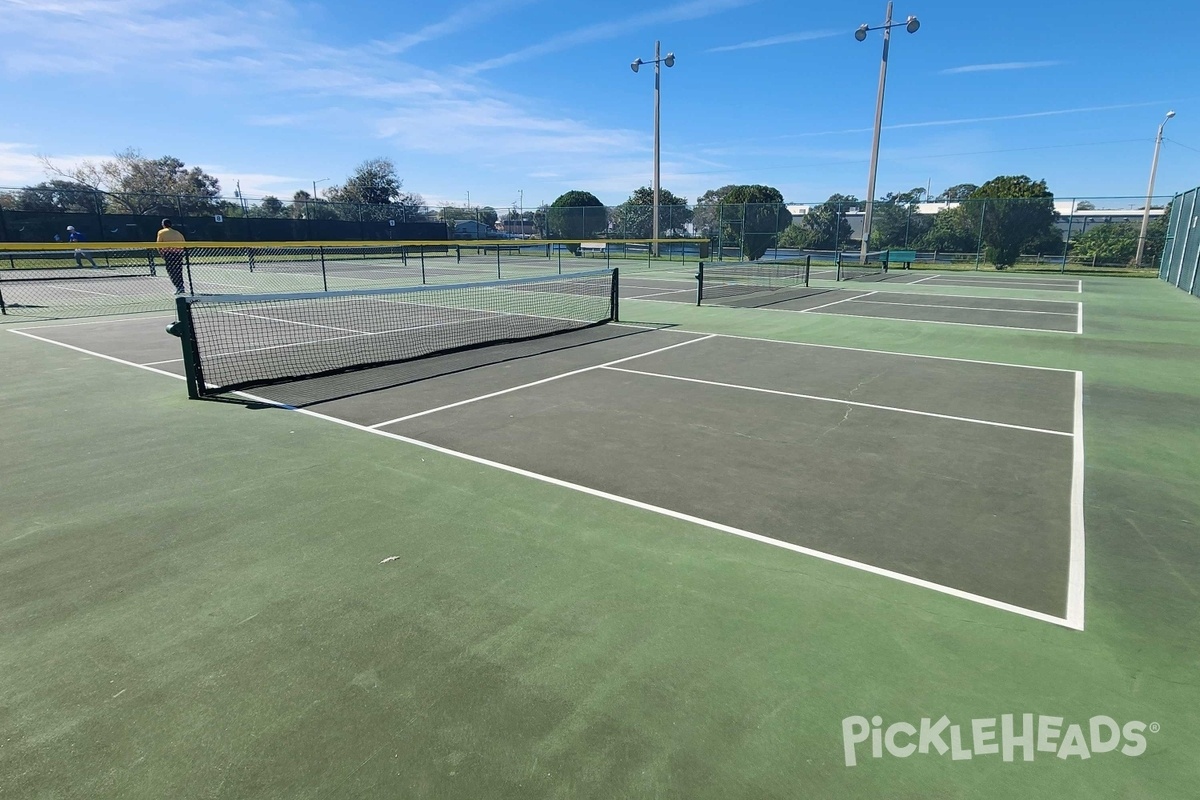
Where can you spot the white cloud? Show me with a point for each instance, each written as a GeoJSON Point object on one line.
{"type": "Point", "coordinates": [564, 40]}
{"type": "Point", "coordinates": [787, 38]}
{"type": "Point", "coordinates": [464, 18]}
{"type": "Point", "coordinates": [1008, 65]}
{"type": "Point", "coordinates": [20, 164]}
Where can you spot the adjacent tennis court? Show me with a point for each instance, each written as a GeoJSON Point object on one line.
{"type": "Point", "coordinates": [958, 476]}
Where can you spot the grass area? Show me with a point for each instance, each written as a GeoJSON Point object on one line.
{"type": "Point", "coordinates": [193, 603]}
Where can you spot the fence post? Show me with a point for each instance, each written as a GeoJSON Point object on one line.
{"type": "Point", "coordinates": [324, 278]}
{"type": "Point", "coordinates": [979, 243]}
{"type": "Point", "coordinates": [743, 238]}
{"type": "Point", "coordinates": [1067, 242]}
{"type": "Point", "coordinates": [3, 227]}
{"type": "Point", "coordinates": [720, 232]}
{"type": "Point", "coordinates": [837, 228]}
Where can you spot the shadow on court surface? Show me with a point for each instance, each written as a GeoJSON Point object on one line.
{"type": "Point", "coordinates": [954, 475]}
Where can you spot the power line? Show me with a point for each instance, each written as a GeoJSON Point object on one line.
{"type": "Point", "coordinates": [1181, 144]}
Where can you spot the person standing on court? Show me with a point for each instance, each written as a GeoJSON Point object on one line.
{"type": "Point", "coordinates": [77, 237]}
{"type": "Point", "coordinates": [173, 256]}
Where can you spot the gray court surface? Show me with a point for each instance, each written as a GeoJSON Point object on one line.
{"type": "Point", "coordinates": [989, 279]}
{"type": "Point", "coordinates": [954, 475]}
{"type": "Point", "coordinates": [862, 299]}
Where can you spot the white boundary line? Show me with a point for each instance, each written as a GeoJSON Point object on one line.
{"type": "Point", "coordinates": [1079, 314]}
{"type": "Point", "coordinates": [972, 308]}
{"type": "Point", "coordinates": [840, 401]}
{"type": "Point", "coordinates": [1022, 278]}
{"type": "Point", "coordinates": [998, 283]}
{"type": "Point", "coordinates": [1075, 623]}
{"type": "Point", "coordinates": [853, 349]}
{"type": "Point", "coordinates": [927, 321]}
{"type": "Point", "coordinates": [95, 322]}
{"type": "Point", "coordinates": [1076, 570]}
{"type": "Point", "coordinates": [534, 383]}
{"type": "Point", "coordinates": [835, 302]}
{"type": "Point", "coordinates": [901, 290]}
{"type": "Point", "coordinates": [655, 294]}
{"type": "Point", "coordinates": [926, 278]}
{"type": "Point", "coordinates": [86, 291]}
{"type": "Point", "coordinates": [293, 322]}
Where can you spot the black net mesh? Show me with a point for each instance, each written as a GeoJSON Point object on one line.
{"type": "Point", "coordinates": [240, 341]}
{"type": "Point", "coordinates": [731, 280]}
{"type": "Point", "coordinates": [852, 267]}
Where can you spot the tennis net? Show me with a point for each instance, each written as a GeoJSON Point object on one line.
{"type": "Point", "coordinates": [233, 342]}
{"type": "Point", "coordinates": [57, 265]}
{"type": "Point", "coordinates": [731, 280]}
{"type": "Point", "coordinates": [851, 266]}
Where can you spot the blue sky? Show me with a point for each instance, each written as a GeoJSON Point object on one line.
{"type": "Point", "coordinates": [520, 100]}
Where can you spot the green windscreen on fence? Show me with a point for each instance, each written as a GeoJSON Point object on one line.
{"type": "Point", "coordinates": [1181, 250]}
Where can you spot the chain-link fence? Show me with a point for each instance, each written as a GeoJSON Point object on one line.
{"type": "Point", "coordinates": [105, 279]}
{"type": "Point", "coordinates": [1180, 264]}
{"type": "Point", "coordinates": [1065, 234]}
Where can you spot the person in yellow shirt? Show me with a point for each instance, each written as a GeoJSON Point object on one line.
{"type": "Point", "coordinates": [173, 256]}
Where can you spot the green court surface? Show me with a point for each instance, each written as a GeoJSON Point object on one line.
{"type": "Point", "coordinates": [660, 563]}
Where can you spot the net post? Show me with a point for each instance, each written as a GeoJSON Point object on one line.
{"type": "Point", "coordinates": [191, 356]}
{"type": "Point", "coordinates": [649, 254]}
{"type": "Point", "coordinates": [837, 260]}
{"type": "Point", "coordinates": [700, 284]}
{"type": "Point", "coordinates": [324, 278]}
{"type": "Point", "coordinates": [615, 300]}
{"type": "Point", "coordinates": [559, 260]}
{"type": "Point", "coordinates": [187, 263]}
{"type": "Point", "coordinates": [807, 269]}
{"type": "Point", "coordinates": [250, 257]}
{"type": "Point", "coordinates": [422, 271]}
{"type": "Point", "coordinates": [458, 254]}
{"type": "Point", "coordinates": [404, 254]}
{"type": "Point", "coordinates": [3, 307]}
{"type": "Point", "coordinates": [497, 262]}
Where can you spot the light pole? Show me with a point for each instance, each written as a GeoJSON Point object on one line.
{"type": "Point", "coordinates": [1150, 192]}
{"type": "Point", "coordinates": [911, 25]}
{"type": "Point", "coordinates": [319, 180]}
{"type": "Point", "coordinates": [670, 62]}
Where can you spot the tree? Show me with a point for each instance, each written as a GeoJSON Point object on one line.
{"type": "Point", "coordinates": [956, 193]}
{"type": "Point", "coordinates": [270, 206]}
{"type": "Point", "coordinates": [1114, 243]}
{"type": "Point", "coordinates": [706, 216]}
{"type": "Point", "coordinates": [826, 224]}
{"type": "Point", "coordinates": [1156, 237]}
{"type": "Point", "coordinates": [142, 185]}
{"type": "Point", "coordinates": [764, 216]}
{"type": "Point", "coordinates": [893, 221]}
{"type": "Point", "coordinates": [374, 182]}
{"type": "Point", "coordinates": [951, 230]}
{"type": "Point", "coordinates": [575, 216]}
{"type": "Point", "coordinates": [374, 192]}
{"type": "Point", "coordinates": [1018, 211]}
{"type": "Point", "coordinates": [634, 219]}
{"type": "Point", "coordinates": [59, 196]}
{"type": "Point", "coordinates": [1085, 205]}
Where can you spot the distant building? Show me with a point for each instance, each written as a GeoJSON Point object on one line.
{"type": "Point", "coordinates": [516, 227]}
{"type": "Point", "coordinates": [472, 229]}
